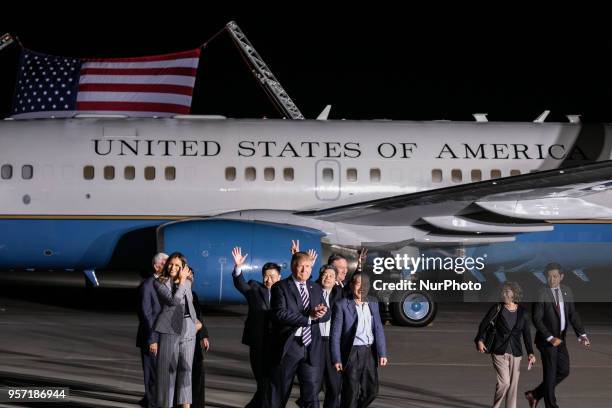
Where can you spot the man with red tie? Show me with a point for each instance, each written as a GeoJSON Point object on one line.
{"type": "Point", "coordinates": [552, 313]}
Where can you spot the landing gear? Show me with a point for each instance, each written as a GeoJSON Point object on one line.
{"type": "Point", "coordinates": [91, 281]}
{"type": "Point", "coordinates": [415, 309]}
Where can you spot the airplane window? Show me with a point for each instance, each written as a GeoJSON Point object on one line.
{"type": "Point", "coordinates": [170, 173]}
{"type": "Point", "coordinates": [109, 173]}
{"type": "Point", "coordinates": [88, 172]}
{"type": "Point", "coordinates": [230, 173]}
{"type": "Point", "coordinates": [375, 175]}
{"type": "Point", "coordinates": [436, 175]}
{"type": "Point", "coordinates": [149, 173]}
{"type": "Point", "coordinates": [250, 173]}
{"type": "Point", "coordinates": [129, 173]}
{"type": "Point", "coordinates": [495, 173]}
{"type": "Point", "coordinates": [27, 172]}
{"type": "Point", "coordinates": [269, 173]}
{"type": "Point", "coordinates": [288, 173]}
{"type": "Point", "coordinates": [7, 171]}
{"type": "Point", "coordinates": [515, 172]}
{"type": "Point", "coordinates": [456, 176]}
{"type": "Point", "coordinates": [328, 174]}
{"type": "Point", "coordinates": [351, 174]}
{"type": "Point", "coordinates": [476, 175]}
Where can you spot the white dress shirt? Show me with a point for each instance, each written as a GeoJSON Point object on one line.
{"type": "Point", "coordinates": [325, 327]}
{"type": "Point", "coordinates": [363, 335]}
{"type": "Point", "coordinates": [298, 333]}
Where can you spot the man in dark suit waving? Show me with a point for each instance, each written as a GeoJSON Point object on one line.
{"type": "Point", "coordinates": [552, 312]}
{"type": "Point", "coordinates": [358, 344]}
{"type": "Point", "coordinates": [297, 308]}
{"type": "Point", "coordinates": [257, 327]}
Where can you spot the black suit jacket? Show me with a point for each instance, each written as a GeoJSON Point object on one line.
{"type": "Point", "coordinates": [288, 315]}
{"type": "Point", "coordinates": [148, 310]}
{"type": "Point", "coordinates": [546, 319]}
{"type": "Point", "coordinates": [257, 326]}
{"type": "Point", "coordinates": [507, 335]}
{"type": "Point", "coordinates": [203, 333]}
{"type": "Point", "coordinates": [338, 292]}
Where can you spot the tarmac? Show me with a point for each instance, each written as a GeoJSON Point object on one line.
{"type": "Point", "coordinates": [53, 335]}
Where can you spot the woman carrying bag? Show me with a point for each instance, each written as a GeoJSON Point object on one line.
{"type": "Point", "coordinates": [500, 334]}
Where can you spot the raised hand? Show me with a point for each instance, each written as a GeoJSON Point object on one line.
{"type": "Point", "coordinates": [313, 255]}
{"type": "Point", "coordinates": [295, 246]}
{"type": "Point", "coordinates": [184, 273]}
{"type": "Point", "coordinates": [238, 258]}
{"type": "Point", "coordinates": [363, 255]}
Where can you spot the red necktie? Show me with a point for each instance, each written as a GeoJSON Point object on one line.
{"type": "Point", "coordinates": [557, 301]}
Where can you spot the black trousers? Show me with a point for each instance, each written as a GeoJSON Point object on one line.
{"type": "Point", "coordinates": [332, 379]}
{"type": "Point", "coordinates": [556, 366]}
{"type": "Point", "coordinates": [360, 380]}
{"type": "Point", "coordinates": [198, 379]}
{"type": "Point", "coordinates": [261, 371]}
{"type": "Point", "coordinates": [148, 369]}
{"type": "Point", "coordinates": [295, 361]}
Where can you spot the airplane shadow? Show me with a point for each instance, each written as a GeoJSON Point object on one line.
{"type": "Point", "coordinates": [103, 299]}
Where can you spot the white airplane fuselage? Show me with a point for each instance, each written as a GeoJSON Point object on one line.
{"type": "Point", "coordinates": [218, 166]}
{"type": "Point", "coordinates": [136, 173]}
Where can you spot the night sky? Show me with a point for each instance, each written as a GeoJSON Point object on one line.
{"type": "Point", "coordinates": [412, 66]}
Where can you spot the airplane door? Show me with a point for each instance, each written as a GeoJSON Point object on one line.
{"type": "Point", "coordinates": [327, 184]}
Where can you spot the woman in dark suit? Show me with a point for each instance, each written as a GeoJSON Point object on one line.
{"type": "Point", "coordinates": [512, 325]}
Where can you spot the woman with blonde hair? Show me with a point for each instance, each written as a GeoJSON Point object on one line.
{"type": "Point", "coordinates": [511, 324]}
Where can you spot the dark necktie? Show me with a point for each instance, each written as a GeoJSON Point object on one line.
{"type": "Point", "coordinates": [306, 332]}
{"type": "Point", "coordinates": [557, 304]}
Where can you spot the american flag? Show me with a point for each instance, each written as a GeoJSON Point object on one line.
{"type": "Point", "coordinates": [54, 86]}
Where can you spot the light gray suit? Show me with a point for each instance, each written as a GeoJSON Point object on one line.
{"type": "Point", "coordinates": [176, 343]}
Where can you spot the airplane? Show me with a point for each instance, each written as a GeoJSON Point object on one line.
{"type": "Point", "coordinates": [94, 192]}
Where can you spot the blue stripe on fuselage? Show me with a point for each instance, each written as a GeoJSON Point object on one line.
{"type": "Point", "coordinates": [61, 243]}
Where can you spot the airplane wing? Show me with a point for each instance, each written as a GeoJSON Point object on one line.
{"type": "Point", "coordinates": [499, 206]}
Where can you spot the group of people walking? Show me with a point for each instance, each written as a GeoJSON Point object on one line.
{"type": "Point", "coordinates": [328, 333]}
{"type": "Point", "coordinates": [506, 325]}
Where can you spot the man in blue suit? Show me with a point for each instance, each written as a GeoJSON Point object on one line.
{"type": "Point", "coordinates": [358, 344]}
{"type": "Point", "coordinates": [297, 309]}
{"type": "Point", "coordinates": [147, 338]}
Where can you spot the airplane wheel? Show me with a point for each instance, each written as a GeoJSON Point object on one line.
{"type": "Point", "coordinates": [415, 309]}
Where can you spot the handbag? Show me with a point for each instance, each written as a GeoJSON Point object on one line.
{"type": "Point", "coordinates": [491, 331]}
